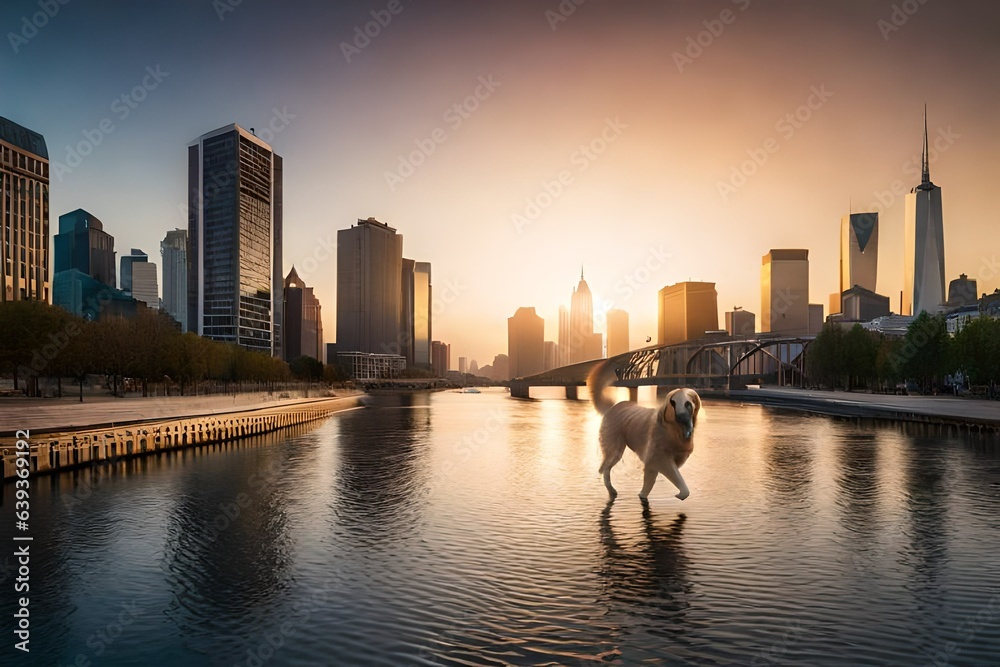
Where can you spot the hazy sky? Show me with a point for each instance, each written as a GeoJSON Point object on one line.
{"type": "Point", "coordinates": [621, 123]}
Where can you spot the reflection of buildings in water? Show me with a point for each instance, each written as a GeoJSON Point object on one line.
{"type": "Point", "coordinates": [788, 462]}
{"type": "Point", "coordinates": [858, 487]}
{"type": "Point", "coordinates": [380, 479]}
{"type": "Point", "coordinates": [228, 546]}
{"type": "Point", "coordinates": [647, 570]}
{"type": "Point", "coordinates": [926, 487]}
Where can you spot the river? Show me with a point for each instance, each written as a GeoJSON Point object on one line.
{"type": "Point", "coordinates": [473, 529]}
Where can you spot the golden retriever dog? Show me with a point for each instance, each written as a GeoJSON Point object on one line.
{"type": "Point", "coordinates": [661, 437]}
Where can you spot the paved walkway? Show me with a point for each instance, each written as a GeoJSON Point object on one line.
{"type": "Point", "coordinates": [857, 404]}
{"type": "Point", "coordinates": [63, 414]}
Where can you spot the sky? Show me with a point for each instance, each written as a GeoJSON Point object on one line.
{"type": "Point", "coordinates": [648, 142]}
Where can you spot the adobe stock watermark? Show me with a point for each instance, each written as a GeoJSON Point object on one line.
{"type": "Point", "coordinates": [121, 107]}
{"type": "Point", "coordinates": [698, 43]}
{"type": "Point", "coordinates": [562, 12]}
{"type": "Point", "coordinates": [223, 7]}
{"type": "Point", "coordinates": [453, 116]}
{"type": "Point", "coordinates": [898, 17]}
{"type": "Point", "coordinates": [786, 126]}
{"type": "Point", "coordinates": [943, 139]}
{"type": "Point", "coordinates": [792, 635]}
{"type": "Point", "coordinates": [30, 25]}
{"type": "Point", "coordinates": [988, 614]}
{"type": "Point", "coordinates": [581, 158]}
{"type": "Point", "coordinates": [364, 34]}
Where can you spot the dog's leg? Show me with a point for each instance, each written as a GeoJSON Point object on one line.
{"type": "Point", "coordinates": [648, 480]}
{"type": "Point", "coordinates": [607, 484]}
{"type": "Point", "coordinates": [671, 472]}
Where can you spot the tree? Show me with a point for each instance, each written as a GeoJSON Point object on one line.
{"type": "Point", "coordinates": [306, 368]}
{"type": "Point", "coordinates": [859, 355]}
{"type": "Point", "coordinates": [925, 350]}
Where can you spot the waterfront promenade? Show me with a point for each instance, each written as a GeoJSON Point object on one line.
{"type": "Point", "coordinates": [65, 414]}
{"type": "Point", "coordinates": [926, 409]}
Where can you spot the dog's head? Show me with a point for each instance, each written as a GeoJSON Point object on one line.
{"type": "Point", "coordinates": [682, 406]}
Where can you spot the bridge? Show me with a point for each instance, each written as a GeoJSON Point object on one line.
{"type": "Point", "coordinates": [705, 364]}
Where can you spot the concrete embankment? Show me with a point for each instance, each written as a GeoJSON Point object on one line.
{"type": "Point", "coordinates": [64, 448]}
{"type": "Point", "coordinates": [977, 416]}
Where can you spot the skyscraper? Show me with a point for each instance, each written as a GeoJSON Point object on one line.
{"type": "Point", "coordinates": [422, 315]}
{"type": "Point", "coordinates": [525, 343]}
{"type": "Point", "coordinates": [618, 342]}
{"type": "Point", "coordinates": [687, 311]}
{"type": "Point", "coordinates": [173, 254]}
{"type": "Point", "coordinates": [369, 288]}
{"type": "Point", "coordinates": [83, 277]}
{"type": "Point", "coordinates": [137, 277]}
{"type": "Point", "coordinates": [440, 358]}
{"type": "Point", "coordinates": [82, 244]}
{"type": "Point", "coordinates": [415, 313]}
{"type": "Point", "coordinates": [125, 268]}
{"type": "Point", "coordinates": [740, 322]}
{"type": "Point", "coordinates": [144, 284]}
{"type": "Point", "coordinates": [784, 292]}
{"type": "Point", "coordinates": [584, 344]}
{"type": "Point", "coordinates": [923, 241]}
{"type": "Point", "coordinates": [858, 251]}
{"type": "Point", "coordinates": [24, 212]}
{"type": "Point", "coordinates": [234, 239]}
{"type": "Point", "coordinates": [563, 342]}
{"type": "Point", "coordinates": [303, 325]}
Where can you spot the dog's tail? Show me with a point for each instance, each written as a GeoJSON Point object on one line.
{"type": "Point", "coordinates": [601, 377]}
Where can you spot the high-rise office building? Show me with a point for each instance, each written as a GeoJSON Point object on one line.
{"type": "Point", "coordinates": [422, 314]}
{"type": "Point", "coordinates": [173, 254]}
{"type": "Point", "coordinates": [784, 292]}
{"type": "Point", "coordinates": [415, 313]}
{"type": "Point", "coordinates": [137, 277]}
{"type": "Point", "coordinates": [24, 213]}
{"type": "Point", "coordinates": [125, 268]}
{"type": "Point", "coordinates": [549, 355]}
{"type": "Point", "coordinates": [859, 251]}
{"type": "Point", "coordinates": [463, 365]}
{"type": "Point", "coordinates": [584, 344]}
{"type": "Point", "coordinates": [406, 311]}
{"type": "Point", "coordinates": [144, 284]}
{"type": "Point", "coordinates": [440, 358]}
{"type": "Point", "coordinates": [563, 342]}
{"type": "Point", "coordinates": [303, 325]}
{"type": "Point", "coordinates": [687, 311]}
{"type": "Point", "coordinates": [923, 241]}
{"type": "Point", "coordinates": [83, 277]}
{"type": "Point", "coordinates": [369, 288]}
{"type": "Point", "coordinates": [234, 239]}
{"type": "Point", "coordinates": [618, 342]}
{"type": "Point", "coordinates": [82, 244]}
{"type": "Point", "coordinates": [525, 343]}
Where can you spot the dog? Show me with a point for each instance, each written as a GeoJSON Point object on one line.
{"type": "Point", "coordinates": [661, 437]}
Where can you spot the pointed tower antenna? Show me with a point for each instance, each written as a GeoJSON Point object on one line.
{"type": "Point", "coordinates": [581, 270]}
{"type": "Point", "coordinates": [926, 162]}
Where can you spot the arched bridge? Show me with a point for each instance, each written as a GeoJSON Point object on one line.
{"type": "Point", "coordinates": [703, 364]}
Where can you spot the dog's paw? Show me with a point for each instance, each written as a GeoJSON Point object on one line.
{"type": "Point", "coordinates": [682, 495]}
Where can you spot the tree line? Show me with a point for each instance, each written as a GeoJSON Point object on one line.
{"type": "Point", "coordinates": [39, 340]}
{"type": "Point", "coordinates": [925, 355]}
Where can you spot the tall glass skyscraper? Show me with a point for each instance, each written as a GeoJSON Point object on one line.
{"type": "Point", "coordinates": [173, 252]}
{"type": "Point", "coordinates": [24, 213]}
{"type": "Point", "coordinates": [422, 315]}
{"type": "Point", "coordinates": [923, 240]}
{"type": "Point", "coordinates": [234, 239]}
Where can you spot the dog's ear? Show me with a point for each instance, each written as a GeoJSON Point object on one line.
{"type": "Point", "coordinates": [668, 414]}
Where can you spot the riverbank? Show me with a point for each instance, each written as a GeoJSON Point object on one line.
{"type": "Point", "coordinates": [971, 414]}
{"type": "Point", "coordinates": [188, 422]}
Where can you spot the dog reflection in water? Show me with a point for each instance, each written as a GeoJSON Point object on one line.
{"type": "Point", "coordinates": [661, 437]}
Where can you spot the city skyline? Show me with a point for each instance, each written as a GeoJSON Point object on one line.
{"type": "Point", "coordinates": [694, 164]}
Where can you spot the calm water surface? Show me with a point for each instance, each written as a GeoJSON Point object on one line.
{"type": "Point", "coordinates": [457, 529]}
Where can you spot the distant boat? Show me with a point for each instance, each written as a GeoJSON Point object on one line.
{"type": "Point", "coordinates": [470, 390]}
